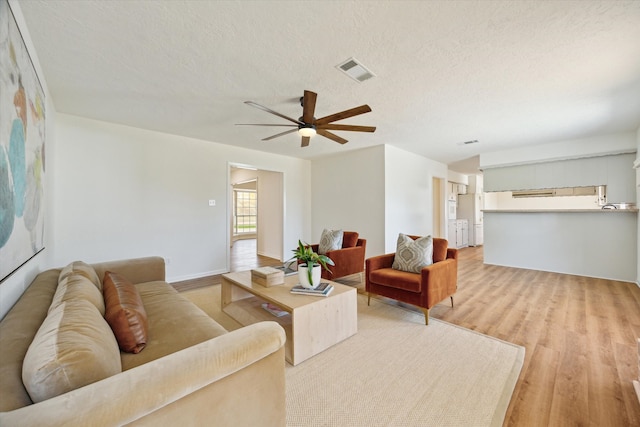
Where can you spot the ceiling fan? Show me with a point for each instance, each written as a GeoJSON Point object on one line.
{"type": "Point", "coordinates": [307, 125]}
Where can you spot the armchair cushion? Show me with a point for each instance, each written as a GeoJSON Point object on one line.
{"type": "Point", "coordinates": [330, 240]}
{"type": "Point", "coordinates": [397, 279]}
{"type": "Point", "coordinates": [413, 255]}
{"type": "Point", "coordinates": [350, 239]}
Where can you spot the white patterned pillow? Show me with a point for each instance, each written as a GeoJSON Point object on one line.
{"type": "Point", "coordinates": [330, 240]}
{"type": "Point", "coordinates": [412, 255]}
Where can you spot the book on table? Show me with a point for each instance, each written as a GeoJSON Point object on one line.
{"type": "Point", "coordinates": [274, 309]}
{"type": "Point", "coordinates": [323, 290]}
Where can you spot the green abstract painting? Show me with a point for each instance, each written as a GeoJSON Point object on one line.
{"type": "Point", "coordinates": [22, 137]}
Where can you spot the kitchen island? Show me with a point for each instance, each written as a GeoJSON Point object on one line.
{"type": "Point", "coordinates": [585, 242]}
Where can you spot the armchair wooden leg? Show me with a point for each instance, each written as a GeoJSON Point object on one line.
{"type": "Point", "coordinates": [426, 315]}
{"type": "Point", "coordinates": [451, 301]}
{"type": "Point", "coordinates": [368, 298]}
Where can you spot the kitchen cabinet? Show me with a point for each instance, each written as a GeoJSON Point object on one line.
{"type": "Point", "coordinates": [452, 191]}
{"type": "Point", "coordinates": [458, 236]}
{"type": "Point", "coordinates": [461, 189]}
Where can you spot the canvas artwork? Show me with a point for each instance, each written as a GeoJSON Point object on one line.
{"type": "Point", "coordinates": [22, 138]}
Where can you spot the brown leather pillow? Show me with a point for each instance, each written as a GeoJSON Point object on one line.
{"type": "Point", "coordinates": [125, 312]}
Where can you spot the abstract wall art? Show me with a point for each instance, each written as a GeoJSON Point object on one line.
{"type": "Point", "coordinates": [22, 138]}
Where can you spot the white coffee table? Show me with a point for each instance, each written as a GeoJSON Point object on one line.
{"type": "Point", "coordinates": [313, 323]}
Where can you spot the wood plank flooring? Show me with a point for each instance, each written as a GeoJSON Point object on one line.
{"type": "Point", "coordinates": [579, 333]}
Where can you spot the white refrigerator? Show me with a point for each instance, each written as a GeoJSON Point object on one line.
{"type": "Point", "coordinates": [470, 208]}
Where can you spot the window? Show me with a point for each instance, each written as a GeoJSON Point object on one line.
{"type": "Point", "coordinates": [245, 218]}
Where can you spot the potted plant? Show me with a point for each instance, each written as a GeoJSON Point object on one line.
{"type": "Point", "coordinates": [310, 265]}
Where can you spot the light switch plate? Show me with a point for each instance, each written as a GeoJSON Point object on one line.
{"type": "Point", "coordinates": [212, 202]}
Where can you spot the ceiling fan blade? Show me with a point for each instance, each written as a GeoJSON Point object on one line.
{"type": "Point", "coordinates": [280, 134]}
{"type": "Point", "coordinates": [305, 141]}
{"type": "Point", "coordinates": [332, 126]}
{"type": "Point", "coordinates": [332, 136]}
{"type": "Point", "coordinates": [269, 110]}
{"type": "Point", "coordinates": [308, 106]}
{"type": "Point", "coordinates": [344, 115]}
{"type": "Point", "coordinates": [263, 124]}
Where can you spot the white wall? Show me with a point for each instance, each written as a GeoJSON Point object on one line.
{"type": "Point", "coordinates": [14, 285]}
{"type": "Point", "coordinates": [504, 200]}
{"type": "Point", "coordinates": [349, 193]}
{"type": "Point", "coordinates": [457, 177]}
{"type": "Point", "coordinates": [270, 214]}
{"type": "Point", "coordinates": [125, 192]}
{"type": "Point", "coordinates": [409, 194]}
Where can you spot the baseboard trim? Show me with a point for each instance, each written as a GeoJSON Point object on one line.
{"type": "Point", "coordinates": [174, 279]}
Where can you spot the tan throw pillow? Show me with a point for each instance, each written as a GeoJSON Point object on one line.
{"type": "Point", "coordinates": [125, 312]}
{"type": "Point", "coordinates": [330, 240]}
{"type": "Point", "coordinates": [412, 255]}
{"type": "Point", "coordinates": [75, 287]}
{"type": "Point", "coordinates": [74, 347]}
{"type": "Point", "coordinates": [84, 269]}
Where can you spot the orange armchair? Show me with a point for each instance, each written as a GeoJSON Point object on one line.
{"type": "Point", "coordinates": [425, 289]}
{"type": "Point", "coordinates": [348, 260]}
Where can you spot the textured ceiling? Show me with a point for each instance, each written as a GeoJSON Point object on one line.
{"type": "Point", "coordinates": [505, 73]}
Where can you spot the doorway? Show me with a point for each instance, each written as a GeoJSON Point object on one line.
{"type": "Point", "coordinates": [256, 212]}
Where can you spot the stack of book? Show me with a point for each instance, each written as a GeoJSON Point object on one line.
{"type": "Point", "coordinates": [274, 309]}
{"type": "Point", "coordinates": [323, 290]}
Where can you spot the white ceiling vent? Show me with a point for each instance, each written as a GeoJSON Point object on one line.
{"type": "Point", "coordinates": [354, 69]}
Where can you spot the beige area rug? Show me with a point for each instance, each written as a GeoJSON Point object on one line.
{"type": "Point", "coordinates": [397, 372]}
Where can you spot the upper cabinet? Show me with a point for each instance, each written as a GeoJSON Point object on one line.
{"type": "Point", "coordinates": [615, 171]}
{"type": "Point", "coordinates": [453, 189]}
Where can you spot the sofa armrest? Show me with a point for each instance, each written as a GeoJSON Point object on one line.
{"type": "Point", "coordinates": [136, 270]}
{"type": "Point", "coordinates": [441, 279]}
{"type": "Point", "coordinates": [380, 261]}
{"type": "Point", "coordinates": [169, 384]}
{"type": "Point", "coordinates": [347, 261]}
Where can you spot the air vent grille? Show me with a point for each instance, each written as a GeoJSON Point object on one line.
{"type": "Point", "coordinates": [355, 70]}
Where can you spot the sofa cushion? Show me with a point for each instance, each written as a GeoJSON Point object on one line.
{"type": "Point", "coordinates": [125, 312]}
{"type": "Point", "coordinates": [82, 268]}
{"type": "Point", "coordinates": [413, 255]}
{"type": "Point", "coordinates": [349, 239]}
{"type": "Point", "coordinates": [17, 330]}
{"type": "Point", "coordinates": [392, 278]}
{"type": "Point", "coordinates": [330, 240]}
{"type": "Point", "coordinates": [175, 323]}
{"type": "Point", "coordinates": [74, 347]}
{"type": "Point", "coordinates": [76, 286]}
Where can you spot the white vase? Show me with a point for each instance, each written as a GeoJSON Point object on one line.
{"type": "Point", "coordinates": [303, 276]}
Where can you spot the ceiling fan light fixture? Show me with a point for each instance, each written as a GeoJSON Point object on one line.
{"type": "Point", "coordinates": [308, 131]}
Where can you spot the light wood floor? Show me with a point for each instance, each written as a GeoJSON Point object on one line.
{"type": "Point", "coordinates": [579, 334]}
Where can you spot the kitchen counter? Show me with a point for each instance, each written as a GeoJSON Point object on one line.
{"type": "Point", "coordinates": [585, 242]}
{"type": "Point", "coordinates": [634, 210]}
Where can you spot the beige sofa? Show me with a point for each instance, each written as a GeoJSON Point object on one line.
{"type": "Point", "coordinates": [191, 372]}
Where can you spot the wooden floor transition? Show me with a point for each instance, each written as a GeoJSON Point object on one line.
{"type": "Point", "coordinates": [579, 333]}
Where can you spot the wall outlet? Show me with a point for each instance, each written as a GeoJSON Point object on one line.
{"type": "Point", "coordinates": [212, 202]}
